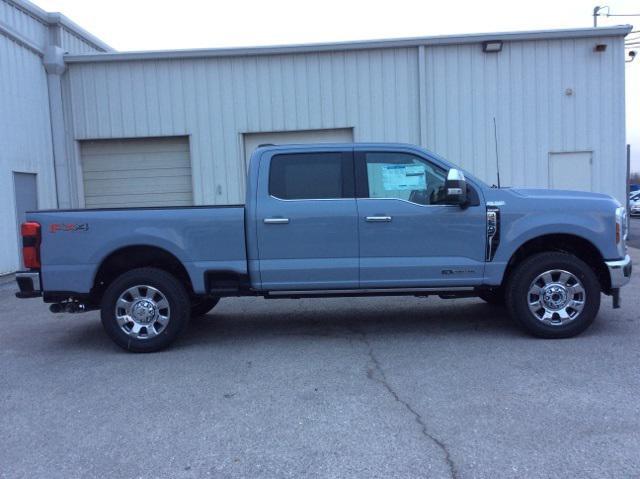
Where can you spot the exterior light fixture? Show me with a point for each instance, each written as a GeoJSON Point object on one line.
{"type": "Point", "coordinates": [493, 46]}
{"type": "Point", "coordinates": [600, 47]}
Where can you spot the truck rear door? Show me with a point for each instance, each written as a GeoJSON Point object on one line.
{"type": "Point", "coordinates": [306, 223]}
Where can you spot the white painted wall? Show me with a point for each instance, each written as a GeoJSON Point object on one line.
{"type": "Point", "coordinates": [18, 19]}
{"type": "Point", "coordinates": [25, 122]}
{"type": "Point", "coordinates": [216, 101]}
{"type": "Point", "coordinates": [25, 139]}
{"type": "Point", "coordinates": [525, 88]}
{"type": "Point", "coordinates": [441, 96]}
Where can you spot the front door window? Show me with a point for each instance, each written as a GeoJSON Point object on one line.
{"type": "Point", "coordinates": [403, 176]}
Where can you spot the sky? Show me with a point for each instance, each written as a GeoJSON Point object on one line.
{"type": "Point", "coordinates": [129, 25]}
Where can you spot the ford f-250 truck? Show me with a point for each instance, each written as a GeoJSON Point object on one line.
{"type": "Point", "coordinates": [334, 220]}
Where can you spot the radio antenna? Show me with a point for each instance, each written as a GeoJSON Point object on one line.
{"type": "Point", "coordinates": [495, 138]}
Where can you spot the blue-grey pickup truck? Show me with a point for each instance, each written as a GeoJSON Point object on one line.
{"type": "Point", "coordinates": [334, 220]}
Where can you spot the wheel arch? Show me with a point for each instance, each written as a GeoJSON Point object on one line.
{"type": "Point", "coordinates": [131, 257]}
{"type": "Point", "coordinates": [572, 244]}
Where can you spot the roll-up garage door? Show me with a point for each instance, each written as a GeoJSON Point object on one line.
{"type": "Point", "coordinates": [136, 172]}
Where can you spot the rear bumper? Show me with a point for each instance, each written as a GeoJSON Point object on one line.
{"type": "Point", "coordinates": [619, 271]}
{"type": "Point", "coordinates": [29, 284]}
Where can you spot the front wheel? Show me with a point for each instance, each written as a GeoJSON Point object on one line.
{"type": "Point", "coordinates": [553, 295]}
{"type": "Point", "coordinates": [145, 309]}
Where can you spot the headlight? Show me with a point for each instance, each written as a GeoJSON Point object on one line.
{"type": "Point", "coordinates": [622, 225]}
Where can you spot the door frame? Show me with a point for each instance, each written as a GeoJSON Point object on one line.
{"type": "Point", "coordinates": [362, 193]}
{"type": "Point", "coordinates": [15, 206]}
{"type": "Point", "coordinates": [263, 192]}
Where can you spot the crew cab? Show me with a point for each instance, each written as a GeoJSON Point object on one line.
{"type": "Point", "coordinates": [334, 220]}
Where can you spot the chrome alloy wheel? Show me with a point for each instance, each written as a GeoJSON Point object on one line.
{"type": "Point", "coordinates": [556, 297]}
{"type": "Point", "coordinates": [142, 312]}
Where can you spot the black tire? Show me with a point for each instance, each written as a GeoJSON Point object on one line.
{"type": "Point", "coordinates": [520, 281]}
{"type": "Point", "coordinates": [202, 306]}
{"type": "Point", "coordinates": [494, 297]}
{"type": "Point", "coordinates": [177, 312]}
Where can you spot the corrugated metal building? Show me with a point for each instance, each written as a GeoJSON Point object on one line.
{"type": "Point", "coordinates": [177, 127]}
{"type": "Point", "coordinates": [27, 173]}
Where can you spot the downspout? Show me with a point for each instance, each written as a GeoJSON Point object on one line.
{"type": "Point", "coordinates": [422, 96]}
{"type": "Point", "coordinates": [54, 65]}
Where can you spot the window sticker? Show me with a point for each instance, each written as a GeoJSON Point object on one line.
{"type": "Point", "coordinates": [403, 177]}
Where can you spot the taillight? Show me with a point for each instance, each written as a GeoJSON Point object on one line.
{"type": "Point", "coordinates": [30, 232]}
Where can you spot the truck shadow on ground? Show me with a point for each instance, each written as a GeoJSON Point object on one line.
{"type": "Point", "coordinates": [456, 320]}
{"type": "Point", "coordinates": [322, 323]}
{"type": "Point", "coordinates": [473, 317]}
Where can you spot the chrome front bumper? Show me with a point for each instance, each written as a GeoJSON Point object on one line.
{"type": "Point", "coordinates": [619, 271]}
{"type": "Point", "coordinates": [29, 284]}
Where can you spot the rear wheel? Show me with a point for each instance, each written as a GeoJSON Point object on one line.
{"type": "Point", "coordinates": [145, 309]}
{"type": "Point", "coordinates": [553, 295]}
{"type": "Point", "coordinates": [202, 306]}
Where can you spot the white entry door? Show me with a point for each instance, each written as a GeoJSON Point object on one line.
{"type": "Point", "coordinates": [570, 170]}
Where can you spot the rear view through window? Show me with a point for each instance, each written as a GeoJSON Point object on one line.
{"type": "Point", "coordinates": [311, 176]}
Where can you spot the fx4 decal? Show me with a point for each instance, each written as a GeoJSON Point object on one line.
{"type": "Point", "coordinates": [68, 227]}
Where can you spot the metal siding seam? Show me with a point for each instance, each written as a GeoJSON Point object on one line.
{"type": "Point", "coordinates": [289, 98]}
{"type": "Point", "coordinates": [275, 72]}
{"type": "Point", "coordinates": [217, 137]}
{"type": "Point", "coordinates": [233, 155]}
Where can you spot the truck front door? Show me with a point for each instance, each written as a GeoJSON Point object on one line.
{"type": "Point", "coordinates": [307, 222]}
{"type": "Point", "coordinates": [407, 237]}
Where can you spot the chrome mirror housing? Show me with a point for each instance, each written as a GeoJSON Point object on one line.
{"type": "Point", "coordinates": [456, 187]}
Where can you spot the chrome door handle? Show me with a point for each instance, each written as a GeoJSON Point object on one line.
{"type": "Point", "coordinates": [276, 221]}
{"type": "Point", "coordinates": [378, 219]}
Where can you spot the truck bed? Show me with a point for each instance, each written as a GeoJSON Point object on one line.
{"type": "Point", "coordinates": [76, 242]}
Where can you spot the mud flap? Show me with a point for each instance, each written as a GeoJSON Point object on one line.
{"type": "Point", "coordinates": [615, 296]}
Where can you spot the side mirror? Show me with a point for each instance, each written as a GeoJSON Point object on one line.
{"type": "Point", "coordinates": [455, 188]}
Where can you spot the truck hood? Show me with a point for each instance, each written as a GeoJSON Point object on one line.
{"type": "Point", "coordinates": [535, 193]}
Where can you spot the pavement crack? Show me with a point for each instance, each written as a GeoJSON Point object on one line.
{"type": "Point", "coordinates": [376, 373]}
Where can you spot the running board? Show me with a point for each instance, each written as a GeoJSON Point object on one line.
{"type": "Point", "coordinates": [368, 292]}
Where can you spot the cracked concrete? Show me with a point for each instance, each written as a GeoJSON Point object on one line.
{"type": "Point", "coordinates": [377, 373]}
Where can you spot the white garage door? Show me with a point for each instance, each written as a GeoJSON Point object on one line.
{"type": "Point", "coordinates": [334, 135]}
{"type": "Point", "coordinates": [136, 172]}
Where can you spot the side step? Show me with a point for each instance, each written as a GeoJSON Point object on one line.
{"type": "Point", "coordinates": [451, 292]}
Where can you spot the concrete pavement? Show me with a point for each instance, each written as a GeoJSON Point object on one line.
{"type": "Point", "coordinates": [367, 387]}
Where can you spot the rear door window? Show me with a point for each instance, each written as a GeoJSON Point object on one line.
{"type": "Point", "coordinates": [307, 176]}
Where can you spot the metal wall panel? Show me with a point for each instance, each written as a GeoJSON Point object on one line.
{"type": "Point", "coordinates": [39, 31]}
{"type": "Point", "coordinates": [25, 136]}
{"type": "Point", "coordinates": [445, 94]}
{"type": "Point", "coordinates": [27, 25]}
{"type": "Point", "coordinates": [546, 96]}
{"type": "Point", "coordinates": [217, 100]}
{"type": "Point", "coordinates": [72, 43]}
